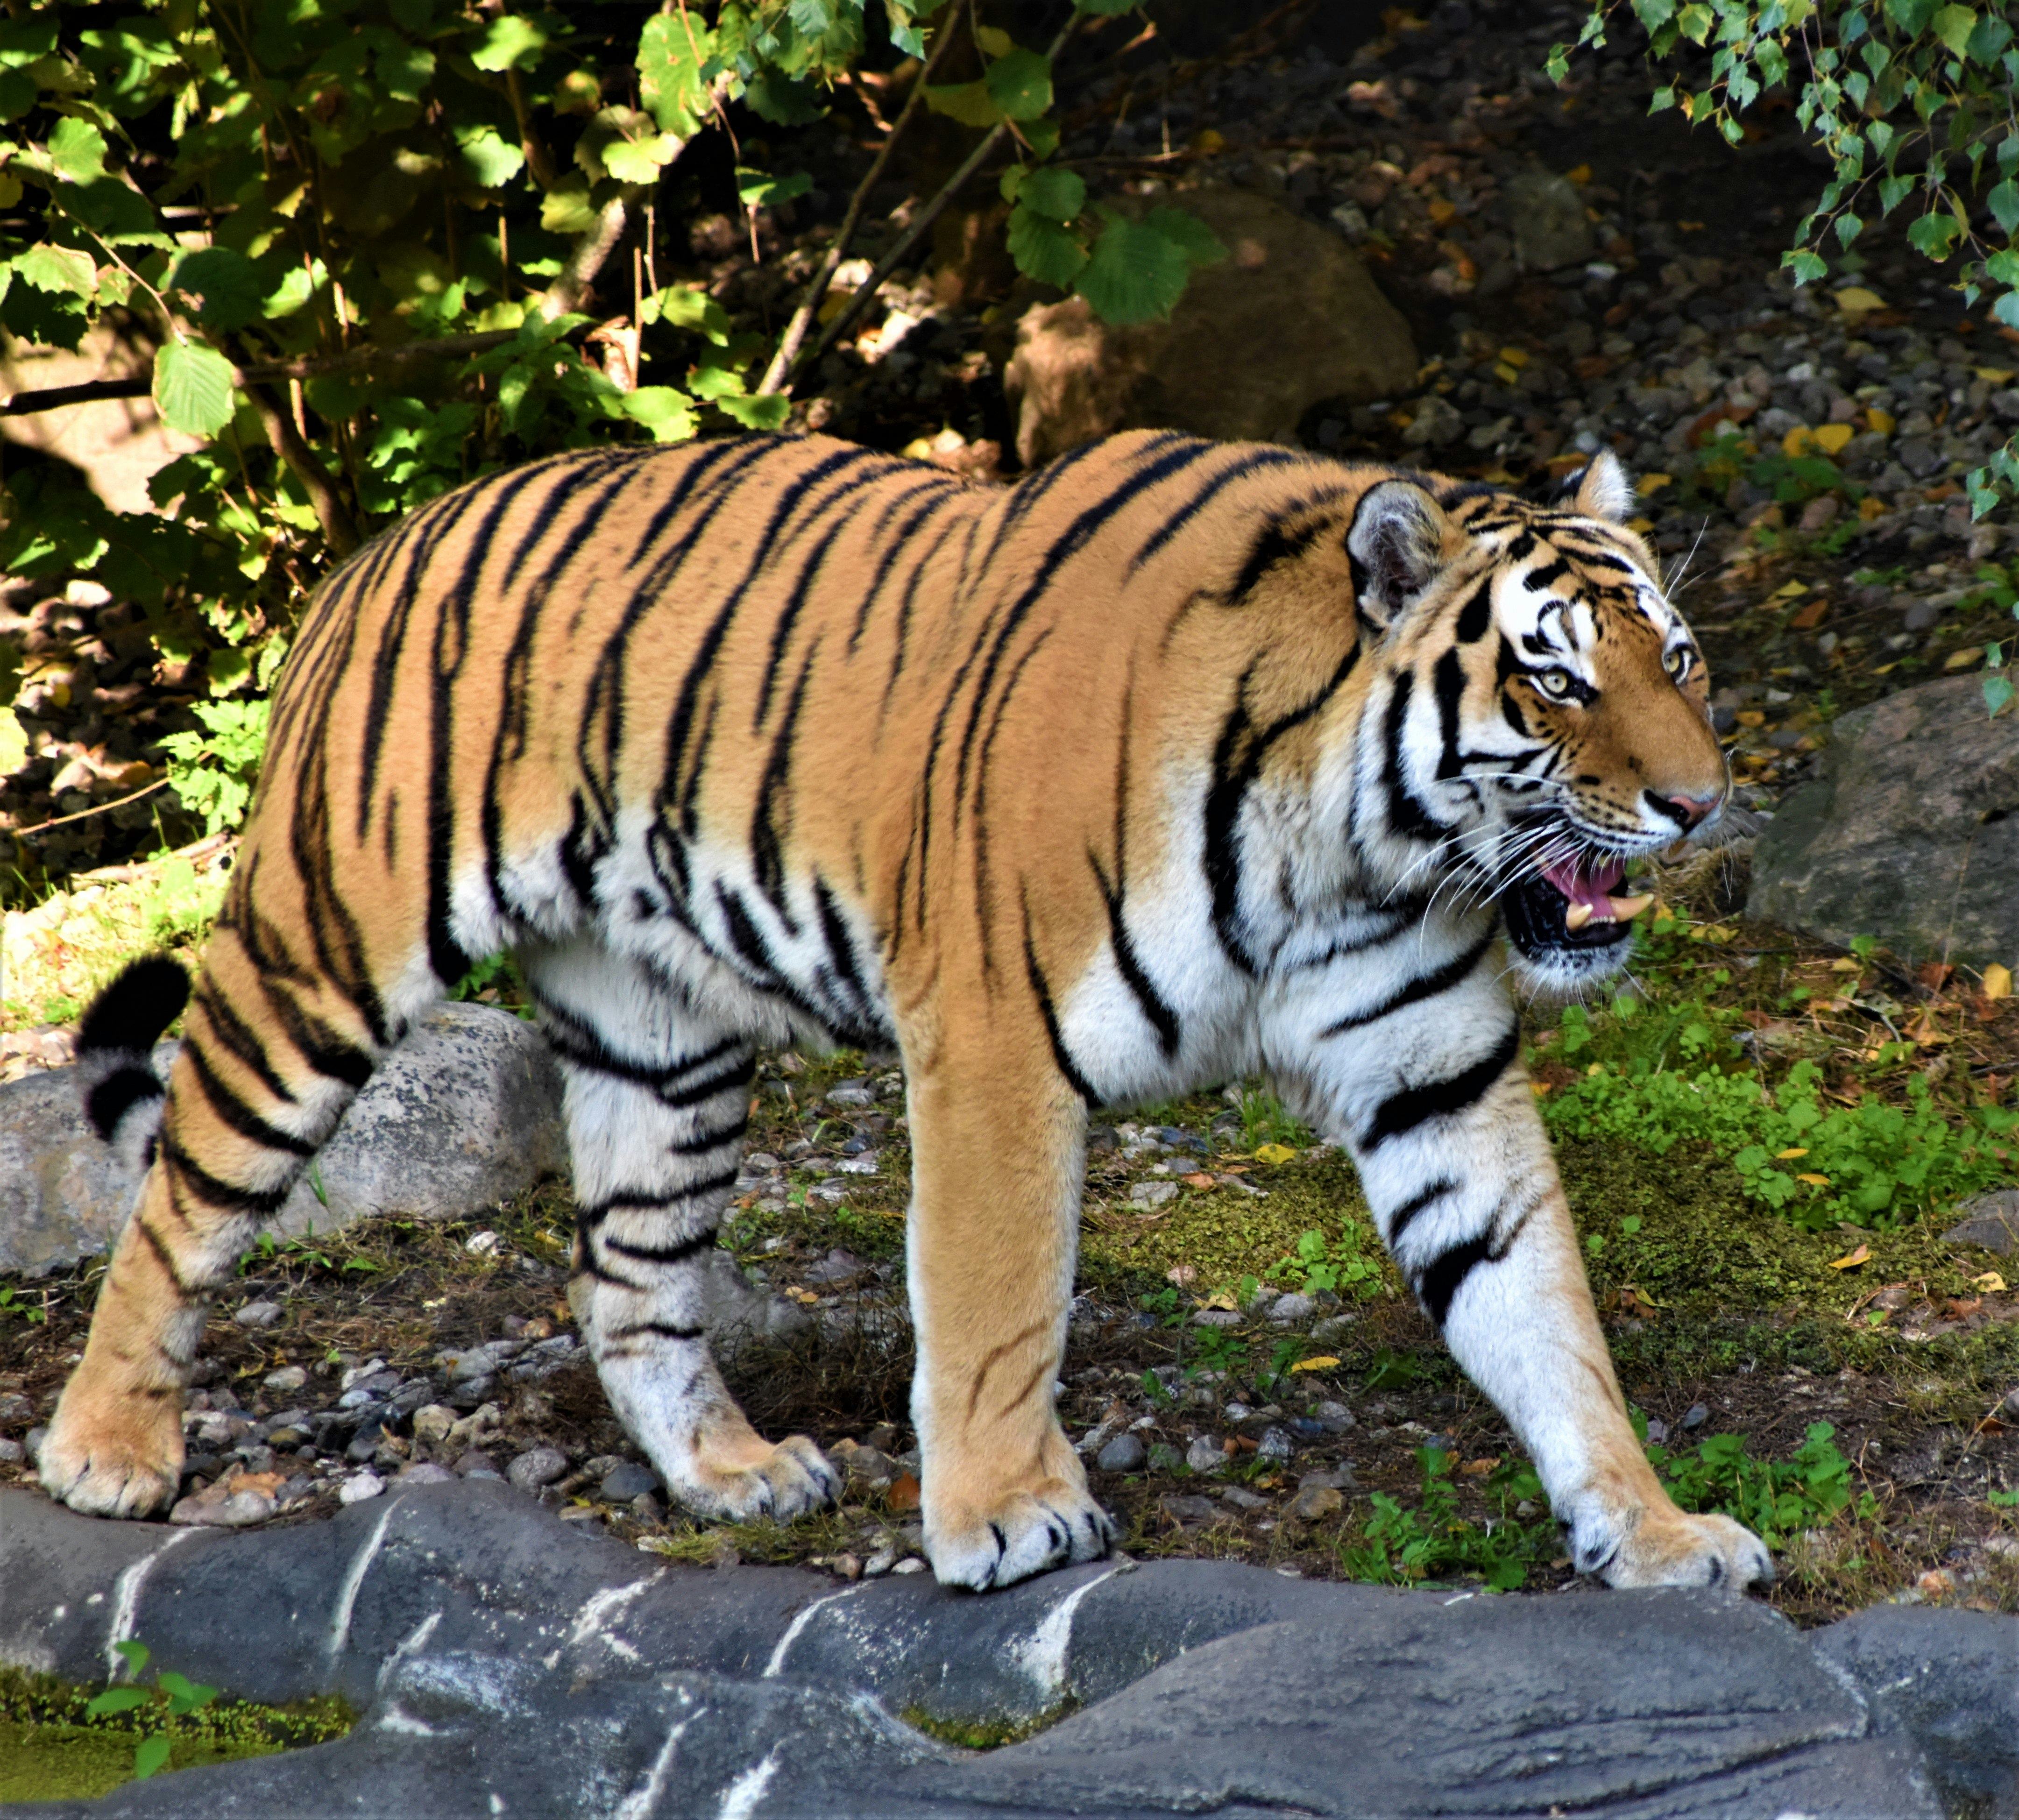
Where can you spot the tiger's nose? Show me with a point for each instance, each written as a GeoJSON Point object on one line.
{"type": "Point", "coordinates": [1688, 811]}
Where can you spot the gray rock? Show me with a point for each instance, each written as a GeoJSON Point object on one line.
{"type": "Point", "coordinates": [505, 1663]}
{"type": "Point", "coordinates": [256, 1315]}
{"type": "Point", "coordinates": [1205, 1455]}
{"type": "Point", "coordinates": [1551, 230]}
{"type": "Point", "coordinates": [287, 1379]}
{"type": "Point", "coordinates": [464, 1113]}
{"type": "Point", "coordinates": [535, 1467]}
{"type": "Point", "coordinates": [425, 1472]}
{"type": "Point", "coordinates": [1314, 1503]}
{"type": "Point", "coordinates": [1290, 1308]}
{"type": "Point", "coordinates": [1275, 1444]}
{"type": "Point", "coordinates": [1991, 1221]}
{"type": "Point", "coordinates": [15, 1408]}
{"type": "Point", "coordinates": [625, 1481]}
{"type": "Point", "coordinates": [1126, 1453]}
{"type": "Point", "coordinates": [1695, 1416]}
{"type": "Point", "coordinates": [1289, 319]}
{"type": "Point", "coordinates": [1910, 833]}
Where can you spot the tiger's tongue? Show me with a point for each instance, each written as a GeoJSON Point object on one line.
{"type": "Point", "coordinates": [1592, 888]}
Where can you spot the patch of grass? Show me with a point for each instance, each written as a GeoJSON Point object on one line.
{"type": "Point", "coordinates": [985, 1734]}
{"type": "Point", "coordinates": [1393, 1545]}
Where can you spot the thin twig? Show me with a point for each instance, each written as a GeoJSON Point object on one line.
{"type": "Point", "coordinates": [339, 531]}
{"type": "Point", "coordinates": [777, 375]}
{"type": "Point", "coordinates": [924, 218]}
{"type": "Point", "coordinates": [86, 815]}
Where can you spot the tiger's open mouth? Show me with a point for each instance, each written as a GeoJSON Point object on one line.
{"type": "Point", "coordinates": [1572, 905]}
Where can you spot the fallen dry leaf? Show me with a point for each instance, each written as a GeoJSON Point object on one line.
{"type": "Point", "coordinates": [1275, 1153]}
{"type": "Point", "coordinates": [1997, 981]}
{"type": "Point", "coordinates": [1991, 1282]}
{"type": "Point", "coordinates": [1200, 1180]}
{"type": "Point", "coordinates": [1324, 1362]}
{"type": "Point", "coordinates": [1859, 1256]}
{"type": "Point", "coordinates": [1478, 1469]}
{"type": "Point", "coordinates": [904, 1493]}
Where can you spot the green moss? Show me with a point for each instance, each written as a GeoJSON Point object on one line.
{"type": "Point", "coordinates": [52, 1750]}
{"type": "Point", "coordinates": [985, 1734]}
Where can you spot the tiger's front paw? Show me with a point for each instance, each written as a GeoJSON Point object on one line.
{"type": "Point", "coordinates": [780, 1482]}
{"type": "Point", "coordinates": [1667, 1548]}
{"type": "Point", "coordinates": [1020, 1534]}
{"type": "Point", "coordinates": [115, 1456]}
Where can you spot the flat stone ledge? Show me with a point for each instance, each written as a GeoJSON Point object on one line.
{"type": "Point", "coordinates": [506, 1663]}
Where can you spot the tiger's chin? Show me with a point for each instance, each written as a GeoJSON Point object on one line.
{"type": "Point", "coordinates": [1570, 929]}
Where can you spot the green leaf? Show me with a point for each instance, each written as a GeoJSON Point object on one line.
{"type": "Point", "coordinates": [687, 307]}
{"type": "Point", "coordinates": [665, 411]}
{"type": "Point", "coordinates": [151, 1755]}
{"type": "Point", "coordinates": [1695, 21]}
{"type": "Point", "coordinates": [1848, 228]}
{"type": "Point", "coordinates": [758, 190]}
{"type": "Point", "coordinates": [774, 96]}
{"type": "Point", "coordinates": [490, 159]}
{"type": "Point", "coordinates": [1135, 273]}
{"type": "Point", "coordinates": [1662, 100]}
{"type": "Point", "coordinates": [512, 43]}
{"type": "Point", "coordinates": [1057, 195]}
{"type": "Point", "coordinates": [77, 150]}
{"type": "Point", "coordinates": [566, 208]}
{"type": "Point", "coordinates": [178, 1687]}
{"type": "Point", "coordinates": [136, 1653]}
{"type": "Point", "coordinates": [716, 382]}
{"type": "Point", "coordinates": [116, 1700]}
{"type": "Point", "coordinates": [1557, 65]}
{"type": "Point", "coordinates": [228, 283]}
{"type": "Point", "coordinates": [1807, 266]}
{"type": "Point", "coordinates": [2004, 201]}
{"type": "Point", "coordinates": [1043, 249]}
{"type": "Point", "coordinates": [1998, 692]}
{"type": "Point", "coordinates": [1934, 233]}
{"type": "Point", "coordinates": [968, 103]}
{"type": "Point", "coordinates": [57, 269]}
{"type": "Point", "coordinates": [1021, 85]}
{"type": "Point", "coordinates": [1200, 244]}
{"type": "Point", "coordinates": [1892, 192]}
{"type": "Point", "coordinates": [193, 388]}
{"type": "Point", "coordinates": [768, 412]}
{"type": "Point", "coordinates": [1104, 8]}
{"type": "Point", "coordinates": [1953, 26]}
{"type": "Point", "coordinates": [671, 51]}
{"type": "Point", "coordinates": [1652, 13]}
{"type": "Point", "coordinates": [639, 161]}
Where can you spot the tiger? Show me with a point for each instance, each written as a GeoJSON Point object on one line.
{"type": "Point", "coordinates": [1173, 761]}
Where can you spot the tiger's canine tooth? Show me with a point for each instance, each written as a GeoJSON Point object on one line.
{"type": "Point", "coordinates": [1576, 916]}
{"type": "Point", "coordinates": [1625, 909]}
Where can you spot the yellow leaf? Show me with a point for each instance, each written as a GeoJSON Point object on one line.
{"type": "Point", "coordinates": [1846, 965]}
{"type": "Point", "coordinates": [1798, 442]}
{"type": "Point", "coordinates": [1958, 660]}
{"type": "Point", "coordinates": [1506, 373]}
{"type": "Point", "coordinates": [1208, 142]}
{"type": "Point", "coordinates": [1997, 981]}
{"type": "Point", "coordinates": [805, 1296]}
{"type": "Point", "coordinates": [1856, 1257]}
{"type": "Point", "coordinates": [1652, 484]}
{"type": "Point", "coordinates": [1997, 375]}
{"type": "Point", "coordinates": [1882, 421]}
{"type": "Point", "coordinates": [1538, 1088]}
{"type": "Point", "coordinates": [1581, 174]}
{"type": "Point", "coordinates": [1991, 1282]}
{"type": "Point", "coordinates": [1643, 525]}
{"type": "Point", "coordinates": [1856, 300]}
{"type": "Point", "coordinates": [1515, 356]}
{"type": "Point", "coordinates": [1324, 1362]}
{"type": "Point", "coordinates": [1831, 437]}
{"type": "Point", "coordinates": [1222, 1300]}
{"type": "Point", "coordinates": [1275, 1153]}
{"type": "Point", "coordinates": [1783, 1155]}
{"type": "Point", "coordinates": [1819, 1182]}
{"type": "Point", "coordinates": [1788, 590]}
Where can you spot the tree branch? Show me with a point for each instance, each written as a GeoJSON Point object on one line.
{"type": "Point", "coordinates": [777, 375]}
{"type": "Point", "coordinates": [585, 258]}
{"type": "Point", "coordinates": [337, 529]}
{"type": "Point", "coordinates": [923, 219]}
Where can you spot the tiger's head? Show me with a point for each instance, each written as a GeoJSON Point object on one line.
{"type": "Point", "coordinates": [1546, 718]}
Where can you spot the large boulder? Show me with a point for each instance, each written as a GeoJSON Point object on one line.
{"type": "Point", "coordinates": [1289, 319]}
{"type": "Point", "coordinates": [464, 1114]}
{"type": "Point", "coordinates": [1910, 833]}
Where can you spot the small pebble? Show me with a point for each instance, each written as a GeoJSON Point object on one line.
{"type": "Point", "coordinates": [535, 1467]}
{"type": "Point", "coordinates": [1241, 1499]}
{"type": "Point", "coordinates": [1124, 1454]}
{"type": "Point", "coordinates": [15, 1408]}
{"type": "Point", "coordinates": [433, 1422]}
{"type": "Point", "coordinates": [1316, 1502]}
{"type": "Point", "coordinates": [1205, 1455]}
{"type": "Point", "coordinates": [12, 1453]}
{"type": "Point", "coordinates": [1275, 1445]}
{"type": "Point", "coordinates": [1289, 1308]}
{"type": "Point", "coordinates": [426, 1472]}
{"type": "Point", "coordinates": [1696, 1415]}
{"type": "Point", "coordinates": [362, 1485]}
{"type": "Point", "coordinates": [481, 1244]}
{"type": "Point", "coordinates": [879, 1564]}
{"type": "Point", "coordinates": [477, 1465]}
{"type": "Point", "coordinates": [287, 1379]}
{"type": "Point", "coordinates": [1657, 1430]}
{"type": "Point", "coordinates": [625, 1480]}
{"type": "Point", "coordinates": [647, 1509]}
{"type": "Point", "coordinates": [910, 1565]}
{"type": "Point", "coordinates": [258, 1314]}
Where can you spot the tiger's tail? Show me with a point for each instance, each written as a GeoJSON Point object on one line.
{"type": "Point", "coordinates": [123, 1096]}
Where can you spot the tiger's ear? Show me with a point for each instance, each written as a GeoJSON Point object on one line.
{"type": "Point", "coordinates": [1603, 491]}
{"type": "Point", "coordinates": [1400, 539]}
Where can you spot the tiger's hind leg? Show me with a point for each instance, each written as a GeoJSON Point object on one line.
{"type": "Point", "coordinates": [657, 1099]}
{"type": "Point", "coordinates": [247, 1104]}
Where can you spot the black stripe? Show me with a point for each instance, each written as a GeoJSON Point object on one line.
{"type": "Point", "coordinates": [223, 1196]}
{"type": "Point", "coordinates": [939, 493]}
{"type": "Point", "coordinates": [766, 850]}
{"type": "Point", "coordinates": [235, 1113]}
{"type": "Point", "coordinates": [1238, 469]}
{"type": "Point", "coordinates": [840, 945]}
{"type": "Point", "coordinates": [1440, 1279]}
{"type": "Point", "coordinates": [1162, 1018]}
{"type": "Point", "coordinates": [595, 1212]}
{"type": "Point", "coordinates": [1237, 759]}
{"type": "Point", "coordinates": [704, 1142]}
{"type": "Point", "coordinates": [670, 1330]}
{"type": "Point", "coordinates": [1074, 1079]}
{"type": "Point", "coordinates": [159, 1246]}
{"type": "Point", "coordinates": [795, 599]}
{"type": "Point", "coordinates": [239, 1037]}
{"type": "Point", "coordinates": [1407, 815]}
{"type": "Point", "coordinates": [1452, 973]}
{"type": "Point", "coordinates": [1275, 545]}
{"type": "Point", "coordinates": [1477, 615]}
{"type": "Point", "coordinates": [1084, 528]}
{"type": "Point", "coordinates": [654, 1254]}
{"type": "Point", "coordinates": [1414, 1106]}
{"type": "Point", "coordinates": [117, 1095]}
{"type": "Point", "coordinates": [1399, 1221]}
{"type": "Point", "coordinates": [741, 1075]}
